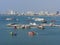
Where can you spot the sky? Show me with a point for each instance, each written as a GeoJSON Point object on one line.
{"type": "Point", "coordinates": [30, 5]}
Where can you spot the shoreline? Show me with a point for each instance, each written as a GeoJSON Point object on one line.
{"type": "Point", "coordinates": [27, 15]}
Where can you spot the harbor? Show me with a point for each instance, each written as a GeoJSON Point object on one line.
{"type": "Point", "coordinates": [19, 29]}
{"type": "Point", "coordinates": [29, 22]}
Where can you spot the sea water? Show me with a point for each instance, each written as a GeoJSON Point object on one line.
{"type": "Point", "coordinates": [48, 36]}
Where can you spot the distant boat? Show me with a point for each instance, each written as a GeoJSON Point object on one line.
{"type": "Point", "coordinates": [40, 19]}
{"type": "Point", "coordinates": [33, 24]}
{"type": "Point", "coordinates": [9, 19]}
{"type": "Point", "coordinates": [12, 24]}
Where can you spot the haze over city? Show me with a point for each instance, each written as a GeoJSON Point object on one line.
{"type": "Point", "coordinates": [27, 5]}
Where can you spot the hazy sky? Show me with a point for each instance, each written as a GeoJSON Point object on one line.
{"type": "Point", "coordinates": [26, 5]}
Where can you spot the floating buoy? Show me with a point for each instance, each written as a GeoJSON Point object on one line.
{"type": "Point", "coordinates": [31, 33]}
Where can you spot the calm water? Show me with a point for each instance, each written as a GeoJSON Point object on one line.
{"type": "Point", "coordinates": [48, 36]}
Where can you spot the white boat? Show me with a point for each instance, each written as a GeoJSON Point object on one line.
{"type": "Point", "coordinates": [33, 24]}
{"type": "Point", "coordinates": [9, 19]}
{"type": "Point", "coordinates": [40, 19]}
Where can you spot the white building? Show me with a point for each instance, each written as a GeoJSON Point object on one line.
{"type": "Point", "coordinates": [29, 13]}
{"type": "Point", "coordinates": [11, 12]}
{"type": "Point", "coordinates": [46, 13]}
{"type": "Point", "coordinates": [41, 13]}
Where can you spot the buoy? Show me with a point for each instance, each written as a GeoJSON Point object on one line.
{"type": "Point", "coordinates": [31, 33]}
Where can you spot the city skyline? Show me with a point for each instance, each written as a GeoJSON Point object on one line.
{"type": "Point", "coordinates": [27, 5]}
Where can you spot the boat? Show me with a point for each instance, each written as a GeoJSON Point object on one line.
{"type": "Point", "coordinates": [40, 19]}
{"type": "Point", "coordinates": [40, 27]}
{"type": "Point", "coordinates": [33, 25]}
{"type": "Point", "coordinates": [12, 25]}
{"type": "Point", "coordinates": [9, 19]}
